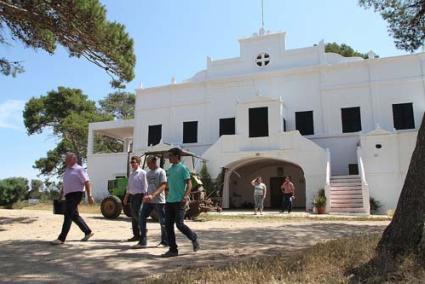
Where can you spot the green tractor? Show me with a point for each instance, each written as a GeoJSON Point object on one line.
{"type": "Point", "coordinates": [112, 205]}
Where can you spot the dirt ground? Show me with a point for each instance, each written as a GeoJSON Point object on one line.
{"type": "Point", "coordinates": [27, 257]}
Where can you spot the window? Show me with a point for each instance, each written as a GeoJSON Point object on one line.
{"type": "Point", "coordinates": [304, 122]}
{"type": "Point", "coordinates": [262, 59]}
{"type": "Point", "coordinates": [284, 125]}
{"type": "Point", "coordinates": [351, 121]}
{"type": "Point", "coordinates": [258, 122]}
{"type": "Point", "coordinates": [154, 134]}
{"type": "Point", "coordinates": [227, 126]}
{"type": "Point", "coordinates": [403, 116]}
{"type": "Point", "coordinates": [353, 169]}
{"type": "Point", "coordinates": [190, 132]}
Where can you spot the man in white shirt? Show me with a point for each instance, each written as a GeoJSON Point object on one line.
{"type": "Point", "coordinates": [153, 200]}
{"type": "Point", "coordinates": [136, 189]}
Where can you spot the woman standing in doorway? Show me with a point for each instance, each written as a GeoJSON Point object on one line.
{"type": "Point", "coordinates": [259, 194]}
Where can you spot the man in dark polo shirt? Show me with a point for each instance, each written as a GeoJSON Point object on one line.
{"type": "Point", "coordinates": [179, 188]}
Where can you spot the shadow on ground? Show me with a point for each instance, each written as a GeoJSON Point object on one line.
{"type": "Point", "coordinates": [15, 220]}
{"type": "Point", "coordinates": [111, 260]}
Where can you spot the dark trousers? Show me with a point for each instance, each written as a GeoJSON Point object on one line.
{"type": "Point", "coordinates": [71, 214]}
{"type": "Point", "coordinates": [174, 213]}
{"type": "Point", "coordinates": [144, 214]}
{"type": "Point", "coordinates": [135, 203]}
{"type": "Point", "coordinates": [287, 202]}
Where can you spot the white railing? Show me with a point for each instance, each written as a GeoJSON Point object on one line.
{"type": "Point", "coordinates": [328, 180]}
{"type": "Point", "coordinates": [365, 186]}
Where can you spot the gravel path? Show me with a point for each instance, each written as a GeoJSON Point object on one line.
{"type": "Point", "coordinates": [27, 257]}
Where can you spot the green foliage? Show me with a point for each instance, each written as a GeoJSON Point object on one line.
{"type": "Point", "coordinates": [208, 184]}
{"type": "Point", "coordinates": [374, 205]}
{"type": "Point", "coordinates": [105, 144]}
{"type": "Point", "coordinates": [405, 18]}
{"type": "Point", "coordinates": [344, 50]}
{"type": "Point", "coordinates": [67, 113]}
{"type": "Point", "coordinates": [320, 199]}
{"type": "Point", "coordinates": [79, 26]}
{"type": "Point", "coordinates": [119, 104]}
{"type": "Point", "coordinates": [36, 189]}
{"type": "Point", "coordinates": [12, 190]}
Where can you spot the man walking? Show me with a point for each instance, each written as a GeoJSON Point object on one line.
{"type": "Point", "coordinates": [179, 188]}
{"type": "Point", "coordinates": [75, 179]}
{"type": "Point", "coordinates": [154, 200]}
{"type": "Point", "coordinates": [136, 189]}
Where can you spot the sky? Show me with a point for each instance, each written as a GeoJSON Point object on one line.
{"type": "Point", "coordinates": [172, 39]}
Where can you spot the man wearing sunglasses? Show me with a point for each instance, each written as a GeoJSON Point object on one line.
{"type": "Point", "coordinates": [136, 189]}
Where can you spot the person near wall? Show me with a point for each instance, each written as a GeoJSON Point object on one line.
{"type": "Point", "coordinates": [179, 189]}
{"type": "Point", "coordinates": [153, 200]}
{"type": "Point", "coordinates": [288, 191]}
{"type": "Point", "coordinates": [136, 189]}
{"type": "Point", "coordinates": [75, 179]}
{"type": "Point", "coordinates": [260, 191]}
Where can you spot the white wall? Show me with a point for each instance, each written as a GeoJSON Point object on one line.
{"type": "Point", "coordinates": [302, 79]}
{"type": "Point", "coordinates": [104, 167]}
{"type": "Point", "coordinates": [386, 167]}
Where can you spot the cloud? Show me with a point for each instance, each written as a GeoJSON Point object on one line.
{"type": "Point", "coordinates": [11, 114]}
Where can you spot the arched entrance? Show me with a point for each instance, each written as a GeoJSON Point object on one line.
{"type": "Point", "coordinates": [239, 174]}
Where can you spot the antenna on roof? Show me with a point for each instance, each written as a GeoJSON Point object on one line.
{"type": "Point", "coordinates": [262, 18]}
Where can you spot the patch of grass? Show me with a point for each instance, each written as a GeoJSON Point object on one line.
{"type": "Point", "coordinates": [82, 208]}
{"type": "Point", "coordinates": [283, 218]}
{"type": "Point", "coordinates": [330, 262]}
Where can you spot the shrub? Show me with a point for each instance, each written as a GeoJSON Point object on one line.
{"type": "Point", "coordinates": [208, 184]}
{"type": "Point", "coordinates": [320, 199]}
{"type": "Point", "coordinates": [13, 189]}
{"type": "Point", "coordinates": [374, 205]}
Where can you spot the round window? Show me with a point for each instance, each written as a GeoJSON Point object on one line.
{"type": "Point", "coordinates": [262, 59]}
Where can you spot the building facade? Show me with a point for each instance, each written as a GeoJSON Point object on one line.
{"type": "Point", "coordinates": [347, 125]}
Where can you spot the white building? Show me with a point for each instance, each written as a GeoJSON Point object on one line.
{"type": "Point", "coordinates": [348, 125]}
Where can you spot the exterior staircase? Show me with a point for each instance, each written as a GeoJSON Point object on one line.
{"type": "Point", "coordinates": [346, 195]}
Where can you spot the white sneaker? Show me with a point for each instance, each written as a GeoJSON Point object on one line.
{"type": "Point", "coordinates": [139, 246]}
{"type": "Point", "coordinates": [56, 242]}
{"type": "Point", "coordinates": [87, 237]}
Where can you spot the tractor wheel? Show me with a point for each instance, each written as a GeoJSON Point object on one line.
{"type": "Point", "coordinates": [111, 207]}
{"type": "Point", "coordinates": [127, 210]}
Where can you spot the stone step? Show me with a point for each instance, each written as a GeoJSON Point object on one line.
{"type": "Point", "coordinates": [346, 188]}
{"type": "Point", "coordinates": [346, 183]}
{"type": "Point", "coordinates": [347, 204]}
{"type": "Point", "coordinates": [347, 210]}
{"type": "Point", "coordinates": [345, 199]}
{"type": "Point", "coordinates": [345, 177]}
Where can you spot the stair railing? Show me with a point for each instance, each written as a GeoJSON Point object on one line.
{"type": "Point", "coordinates": [365, 186]}
{"type": "Point", "coordinates": [328, 180]}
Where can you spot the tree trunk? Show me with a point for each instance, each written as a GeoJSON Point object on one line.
{"type": "Point", "coordinates": [405, 232]}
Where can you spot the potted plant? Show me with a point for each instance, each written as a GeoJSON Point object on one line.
{"type": "Point", "coordinates": [320, 202]}
{"type": "Point", "coordinates": [374, 205]}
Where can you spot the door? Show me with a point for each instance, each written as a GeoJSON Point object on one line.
{"type": "Point", "coordinates": [275, 192]}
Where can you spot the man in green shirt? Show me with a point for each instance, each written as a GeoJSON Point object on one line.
{"type": "Point", "coordinates": [179, 188]}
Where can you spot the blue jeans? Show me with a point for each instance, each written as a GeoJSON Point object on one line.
{"type": "Point", "coordinates": [174, 213]}
{"type": "Point", "coordinates": [135, 203]}
{"type": "Point", "coordinates": [287, 202]}
{"type": "Point", "coordinates": [144, 214]}
{"type": "Point", "coordinates": [71, 214]}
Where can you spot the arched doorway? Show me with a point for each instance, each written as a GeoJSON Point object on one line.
{"type": "Point", "coordinates": [239, 175]}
